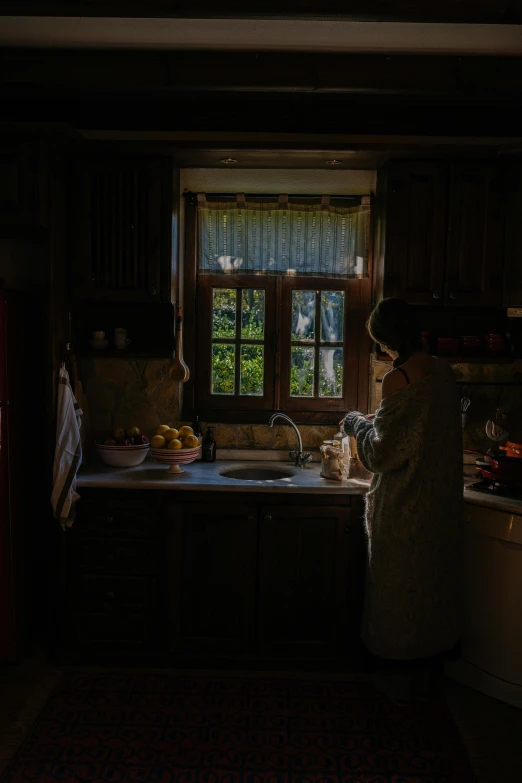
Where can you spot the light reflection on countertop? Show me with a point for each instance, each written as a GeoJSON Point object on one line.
{"type": "Point", "coordinates": [207, 476]}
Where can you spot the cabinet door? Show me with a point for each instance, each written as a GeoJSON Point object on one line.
{"type": "Point", "coordinates": [115, 578]}
{"type": "Point", "coordinates": [310, 586]}
{"type": "Point", "coordinates": [213, 576]}
{"type": "Point", "coordinates": [415, 235]}
{"type": "Point", "coordinates": [122, 228]}
{"type": "Point", "coordinates": [513, 257]}
{"type": "Point", "coordinates": [475, 235]}
{"type": "Point", "coordinates": [20, 186]}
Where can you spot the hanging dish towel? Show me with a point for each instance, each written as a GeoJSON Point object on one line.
{"type": "Point", "coordinates": [68, 453]}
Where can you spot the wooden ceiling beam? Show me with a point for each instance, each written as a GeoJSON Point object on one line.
{"type": "Point", "coordinates": [159, 73]}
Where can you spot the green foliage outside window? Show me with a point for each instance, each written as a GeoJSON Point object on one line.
{"type": "Point", "coordinates": [252, 327]}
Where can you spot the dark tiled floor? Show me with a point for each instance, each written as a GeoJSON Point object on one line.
{"type": "Point", "coordinates": [492, 731]}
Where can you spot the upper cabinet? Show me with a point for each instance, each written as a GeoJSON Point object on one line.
{"type": "Point", "coordinates": [121, 238]}
{"type": "Point", "coordinates": [22, 203]}
{"type": "Point", "coordinates": [476, 230]}
{"type": "Point", "coordinates": [440, 233]}
{"type": "Point", "coordinates": [412, 242]}
{"type": "Point", "coordinates": [513, 266]}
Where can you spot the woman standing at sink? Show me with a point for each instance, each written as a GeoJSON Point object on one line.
{"type": "Point", "coordinates": [413, 445]}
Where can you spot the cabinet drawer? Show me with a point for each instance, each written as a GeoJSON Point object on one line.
{"type": "Point", "coordinates": [118, 521]}
{"type": "Point", "coordinates": [113, 555]}
{"type": "Point", "coordinates": [114, 629]}
{"type": "Point", "coordinates": [113, 594]}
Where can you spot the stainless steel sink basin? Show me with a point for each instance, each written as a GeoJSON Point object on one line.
{"type": "Point", "coordinates": [257, 474]}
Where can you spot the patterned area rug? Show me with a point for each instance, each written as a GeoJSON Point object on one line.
{"type": "Point", "coordinates": [166, 728]}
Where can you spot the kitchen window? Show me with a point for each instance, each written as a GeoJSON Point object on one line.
{"type": "Point", "coordinates": [276, 297]}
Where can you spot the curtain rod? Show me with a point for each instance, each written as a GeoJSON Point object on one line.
{"type": "Point", "coordinates": [192, 194]}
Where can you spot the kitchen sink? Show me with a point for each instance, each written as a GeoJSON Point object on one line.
{"type": "Point", "coordinates": [257, 474]}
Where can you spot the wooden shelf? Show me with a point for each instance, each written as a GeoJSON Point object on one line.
{"type": "Point", "coordinates": [462, 359]}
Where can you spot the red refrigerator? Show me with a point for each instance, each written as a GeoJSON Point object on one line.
{"type": "Point", "coordinates": [11, 495]}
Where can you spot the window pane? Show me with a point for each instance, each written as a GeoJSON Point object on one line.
{"type": "Point", "coordinates": [332, 316]}
{"type": "Point", "coordinates": [252, 370]}
{"type": "Point", "coordinates": [223, 369]}
{"type": "Point", "coordinates": [224, 312]}
{"type": "Point", "coordinates": [253, 314]}
{"type": "Point", "coordinates": [330, 372]}
{"type": "Point", "coordinates": [303, 315]}
{"type": "Point", "coordinates": [302, 372]}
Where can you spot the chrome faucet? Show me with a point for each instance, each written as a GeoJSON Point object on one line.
{"type": "Point", "coordinates": [300, 458]}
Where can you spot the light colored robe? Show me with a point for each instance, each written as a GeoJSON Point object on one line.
{"type": "Point", "coordinates": [413, 515]}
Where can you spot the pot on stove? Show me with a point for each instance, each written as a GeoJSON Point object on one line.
{"type": "Point", "coordinates": [501, 467]}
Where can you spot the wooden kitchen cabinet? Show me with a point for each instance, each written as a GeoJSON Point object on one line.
{"type": "Point", "coordinates": [213, 582]}
{"type": "Point", "coordinates": [412, 231]}
{"type": "Point", "coordinates": [209, 578]}
{"type": "Point", "coordinates": [310, 580]}
{"type": "Point", "coordinates": [440, 232]}
{"type": "Point", "coordinates": [22, 203]}
{"type": "Point", "coordinates": [114, 579]}
{"type": "Point", "coordinates": [513, 252]}
{"type": "Point", "coordinates": [476, 229]}
{"type": "Point", "coordinates": [121, 237]}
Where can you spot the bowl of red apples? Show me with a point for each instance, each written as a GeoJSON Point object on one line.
{"type": "Point", "coordinates": [124, 448]}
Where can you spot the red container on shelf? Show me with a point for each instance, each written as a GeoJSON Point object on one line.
{"type": "Point", "coordinates": [495, 343]}
{"type": "Point", "coordinates": [447, 346]}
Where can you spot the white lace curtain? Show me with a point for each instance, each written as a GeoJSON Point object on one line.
{"type": "Point", "coordinates": [284, 238]}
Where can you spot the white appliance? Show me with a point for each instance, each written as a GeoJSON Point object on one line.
{"type": "Point", "coordinates": [492, 609]}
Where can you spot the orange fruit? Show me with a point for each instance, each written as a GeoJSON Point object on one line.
{"type": "Point", "coordinates": [174, 444]}
{"type": "Point", "coordinates": [185, 430]}
{"type": "Point", "coordinates": [161, 429]}
{"type": "Point", "coordinates": [157, 442]}
{"type": "Point", "coordinates": [190, 442]}
{"type": "Point", "coordinates": [170, 434]}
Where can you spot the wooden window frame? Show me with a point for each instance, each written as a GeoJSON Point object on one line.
{"type": "Point", "coordinates": [197, 291]}
{"type": "Point", "coordinates": [224, 402]}
{"type": "Point", "coordinates": [350, 344]}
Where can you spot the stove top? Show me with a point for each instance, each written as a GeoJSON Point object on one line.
{"type": "Point", "coordinates": [495, 488]}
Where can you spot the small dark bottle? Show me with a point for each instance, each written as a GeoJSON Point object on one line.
{"type": "Point", "coordinates": [198, 432]}
{"type": "Point", "coordinates": [209, 447]}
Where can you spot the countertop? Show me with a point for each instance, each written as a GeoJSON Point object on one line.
{"type": "Point", "coordinates": [207, 476]}
{"type": "Point", "coordinates": [509, 505]}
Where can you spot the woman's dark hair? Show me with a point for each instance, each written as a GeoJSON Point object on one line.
{"type": "Point", "coordinates": [394, 323]}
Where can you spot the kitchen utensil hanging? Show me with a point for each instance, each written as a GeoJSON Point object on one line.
{"type": "Point", "coordinates": [465, 405]}
{"type": "Point", "coordinates": [178, 370]}
{"type": "Point", "coordinates": [496, 427]}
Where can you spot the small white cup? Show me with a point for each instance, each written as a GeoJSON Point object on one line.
{"type": "Point", "coordinates": [98, 335]}
{"type": "Point", "coordinates": [120, 338]}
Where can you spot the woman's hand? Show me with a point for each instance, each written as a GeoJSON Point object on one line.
{"type": "Point", "coordinates": [349, 421]}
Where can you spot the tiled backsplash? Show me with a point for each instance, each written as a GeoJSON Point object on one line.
{"type": "Point", "coordinates": [123, 392]}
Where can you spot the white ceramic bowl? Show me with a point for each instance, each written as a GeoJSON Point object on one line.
{"type": "Point", "coordinates": [175, 457]}
{"type": "Point", "coordinates": [122, 456]}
